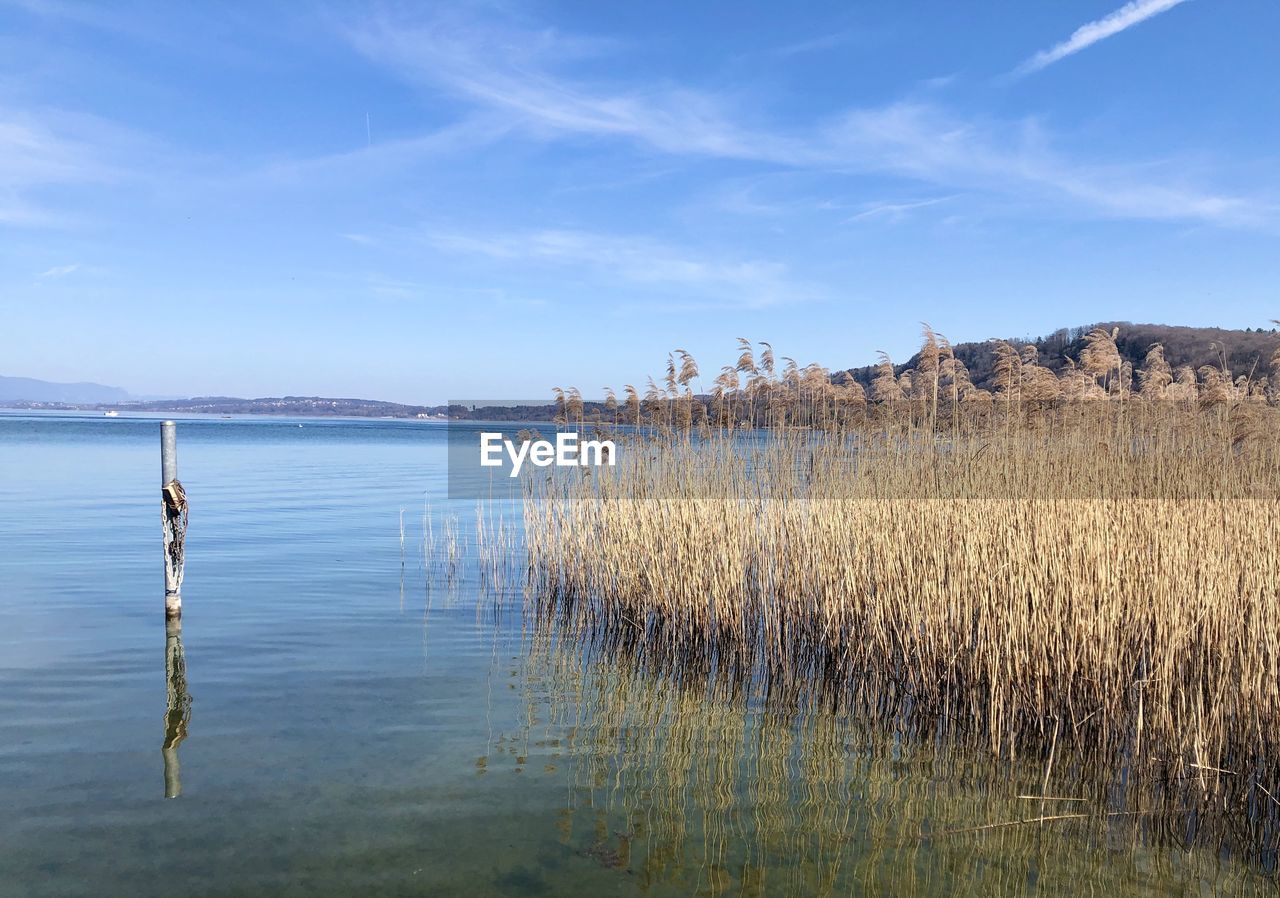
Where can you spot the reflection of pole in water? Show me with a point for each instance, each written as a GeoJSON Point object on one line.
{"type": "Point", "coordinates": [178, 714]}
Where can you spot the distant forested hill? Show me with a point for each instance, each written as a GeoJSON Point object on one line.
{"type": "Point", "coordinates": [28, 389]}
{"type": "Point", "coordinates": [1246, 351]}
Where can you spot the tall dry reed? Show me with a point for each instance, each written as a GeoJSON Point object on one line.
{"type": "Point", "coordinates": [1056, 577]}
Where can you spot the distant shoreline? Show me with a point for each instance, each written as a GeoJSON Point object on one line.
{"type": "Point", "coordinates": [298, 407]}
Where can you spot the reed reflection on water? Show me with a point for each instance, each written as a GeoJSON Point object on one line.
{"type": "Point", "coordinates": [687, 780]}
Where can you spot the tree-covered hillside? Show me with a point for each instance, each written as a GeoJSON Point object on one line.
{"type": "Point", "coordinates": [1245, 352]}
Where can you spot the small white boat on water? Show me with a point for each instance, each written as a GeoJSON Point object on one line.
{"type": "Point", "coordinates": [111, 414]}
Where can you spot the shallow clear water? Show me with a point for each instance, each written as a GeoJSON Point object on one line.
{"type": "Point", "coordinates": [367, 720]}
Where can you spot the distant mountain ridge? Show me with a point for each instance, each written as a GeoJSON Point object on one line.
{"type": "Point", "coordinates": [29, 389]}
{"type": "Point", "coordinates": [1246, 352]}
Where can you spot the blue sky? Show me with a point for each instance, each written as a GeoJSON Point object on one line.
{"type": "Point", "coordinates": [419, 201]}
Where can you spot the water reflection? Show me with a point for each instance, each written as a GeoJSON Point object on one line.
{"type": "Point", "coordinates": [178, 713]}
{"type": "Point", "coordinates": [686, 783]}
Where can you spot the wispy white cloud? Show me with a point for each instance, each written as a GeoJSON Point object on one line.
{"type": "Point", "coordinates": [1015, 162]}
{"type": "Point", "coordinates": [938, 82]}
{"type": "Point", "coordinates": [895, 211]}
{"type": "Point", "coordinates": [80, 13]}
{"type": "Point", "coordinates": [58, 271]}
{"type": "Point", "coordinates": [1090, 33]}
{"type": "Point", "coordinates": [817, 44]}
{"type": "Point", "coordinates": [33, 157]}
{"type": "Point", "coordinates": [32, 153]}
{"type": "Point", "coordinates": [395, 288]}
{"type": "Point", "coordinates": [638, 261]}
{"type": "Point", "coordinates": [382, 159]}
{"type": "Point", "coordinates": [520, 75]}
{"type": "Point", "coordinates": [16, 211]}
{"type": "Point", "coordinates": [42, 149]}
{"type": "Point", "coordinates": [515, 71]}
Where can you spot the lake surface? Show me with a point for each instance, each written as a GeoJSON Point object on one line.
{"type": "Point", "coordinates": [374, 713]}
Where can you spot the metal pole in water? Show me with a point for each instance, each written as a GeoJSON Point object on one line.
{"type": "Point", "coordinates": [168, 452]}
{"type": "Point", "coordinates": [173, 517]}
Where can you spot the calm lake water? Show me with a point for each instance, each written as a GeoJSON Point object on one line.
{"type": "Point", "coordinates": [376, 717]}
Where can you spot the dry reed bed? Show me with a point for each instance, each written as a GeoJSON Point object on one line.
{"type": "Point", "coordinates": [1103, 584]}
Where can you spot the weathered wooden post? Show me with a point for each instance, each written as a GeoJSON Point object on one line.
{"type": "Point", "coordinates": [173, 517]}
